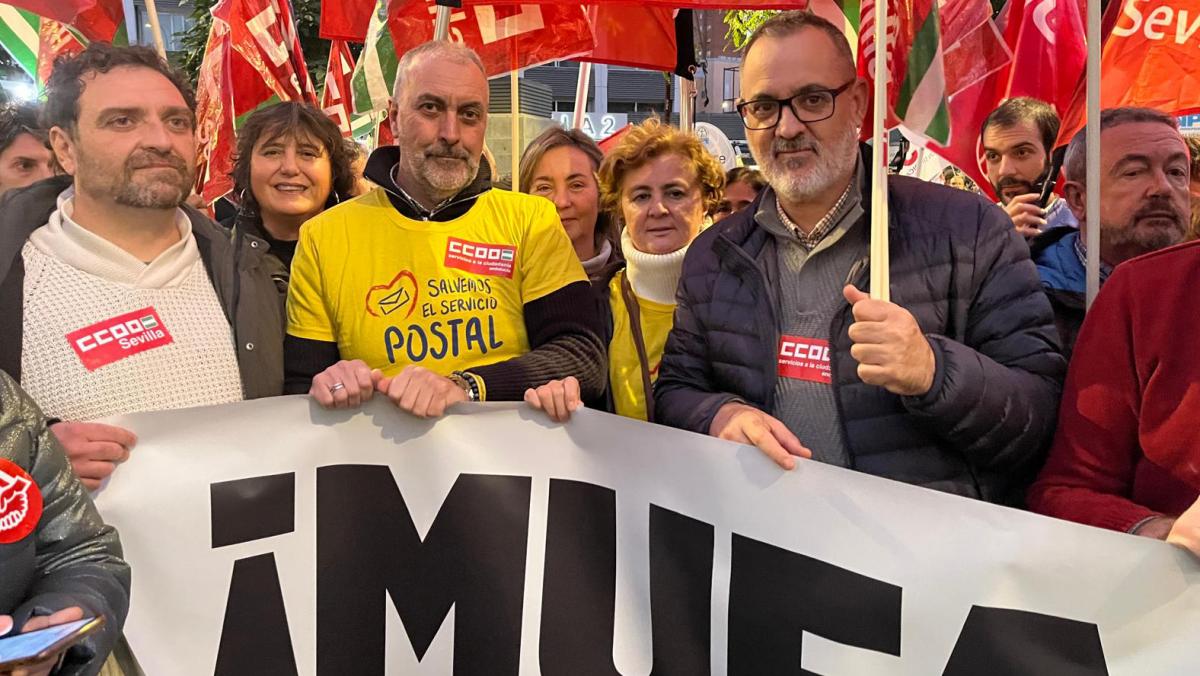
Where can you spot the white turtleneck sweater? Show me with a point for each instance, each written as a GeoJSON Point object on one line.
{"type": "Point", "coordinates": [104, 333]}
{"type": "Point", "coordinates": [652, 276]}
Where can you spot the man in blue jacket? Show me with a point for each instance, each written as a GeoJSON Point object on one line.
{"type": "Point", "coordinates": [952, 386]}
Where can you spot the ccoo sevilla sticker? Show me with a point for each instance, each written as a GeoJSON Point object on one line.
{"type": "Point", "coordinates": [20, 503]}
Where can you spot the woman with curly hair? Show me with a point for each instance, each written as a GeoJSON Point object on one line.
{"type": "Point", "coordinates": [291, 164]}
{"type": "Point", "coordinates": [658, 183]}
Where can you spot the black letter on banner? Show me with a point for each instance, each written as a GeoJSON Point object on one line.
{"type": "Point", "coordinates": [255, 638]}
{"type": "Point", "coordinates": [579, 585]}
{"type": "Point", "coordinates": [1003, 642]}
{"type": "Point", "coordinates": [681, 568]}
{"type": "Point", "coordinates": [775, 595]}
{"type": "Point", "coordinates": [472, 559]}
{"type": "Point", "coordinates": [579, 591]}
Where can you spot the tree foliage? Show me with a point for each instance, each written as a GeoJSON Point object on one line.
{"type": "Point", "coordinates": [743, 22]}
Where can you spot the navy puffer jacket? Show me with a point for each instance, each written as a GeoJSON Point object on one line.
{"type": "Point", "coordinates": [963, 272]}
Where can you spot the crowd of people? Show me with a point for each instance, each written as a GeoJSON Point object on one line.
{"type": "Point", "coordinates": [646, 282]}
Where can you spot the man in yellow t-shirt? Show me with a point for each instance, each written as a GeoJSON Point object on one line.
{"type": "Point", "coordinates": [434, 288]}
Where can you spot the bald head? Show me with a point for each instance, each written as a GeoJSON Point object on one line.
{"type": "Point", "coordinates": [431, 52]}
{"type": "Point", "coordinates": [784, 24]}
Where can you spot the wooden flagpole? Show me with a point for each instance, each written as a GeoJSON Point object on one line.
{"type": "Point", "coordinates": [152, 14]}
{"type": "Point", "coordinates": [581, 94]}
{"type": "Point", "coordinates": [880, 257]}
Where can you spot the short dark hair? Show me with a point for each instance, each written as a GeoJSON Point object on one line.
{"type": "Point", "coordinates": [784, 24]}
{"type": "Point", "coordinates": [290, 119]}
{"type": "Point", "coordinates": [1020, 109]}
{"type": "Point", "coordinates": [17, 119]}
{"type": "Point", "coordinates": [749, 176]}
{"type": "Point", "coordinates": [65, 84]}
{"type": "Point", "coordinates": [1075, 165]}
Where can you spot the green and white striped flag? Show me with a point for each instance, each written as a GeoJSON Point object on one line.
{"type": "Point", "coordinates": [376, 69]}
{"type": "Point", "coordinates": [19, 37]}
{"type": "Point", "coordinates": [921, 102]}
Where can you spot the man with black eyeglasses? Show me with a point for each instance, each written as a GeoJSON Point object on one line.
{"type": "Point", "coordinates": [953, 386]}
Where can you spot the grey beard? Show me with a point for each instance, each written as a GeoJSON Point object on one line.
{"type": "Point", "coordinates": [831, 164]}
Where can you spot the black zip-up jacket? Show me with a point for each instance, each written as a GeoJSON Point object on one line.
{"type": "Point", "coordinates": [563, 326]}
{"type": "Point", "coordinates": [957, 265]}
{"type": "Point", "coordinates": [238, 267]}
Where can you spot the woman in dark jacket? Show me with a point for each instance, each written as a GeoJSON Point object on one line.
{"type": "Point", "coordinates": [291, 164]}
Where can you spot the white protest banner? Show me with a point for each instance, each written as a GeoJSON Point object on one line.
{"type": "Point", "coordinates": [272, 537]}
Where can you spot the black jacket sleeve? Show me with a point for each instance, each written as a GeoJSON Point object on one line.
{"type": "Point", "coordinates": [77, 558]}
{"type": "Point", "coordinates": [685, 395]}
{"type": "Point", "coordinates": [564, 337]}
{"type": "Point", "coordinates": [303, 359]}
{"type": "Point", "coordinates": [995, 395]}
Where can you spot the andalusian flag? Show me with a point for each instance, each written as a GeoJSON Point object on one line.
{"type": "Point", "coordinates": [370, 84]}
{"type": "Point", "coordinates": [916, 79]}
{"type": "Point", "coordinates": [19, 37]}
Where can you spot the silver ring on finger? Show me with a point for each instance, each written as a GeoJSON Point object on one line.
{"type": "Point", "coordinates": [336, 386]}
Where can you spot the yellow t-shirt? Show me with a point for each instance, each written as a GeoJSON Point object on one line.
{"type": "Point", "coordinates": [624, 368]}
{"type": "Point", "coordinates": [393, 291]}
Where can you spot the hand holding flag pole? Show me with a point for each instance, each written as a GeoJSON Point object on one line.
{"type": "Point", "coordinates": [880, 273]}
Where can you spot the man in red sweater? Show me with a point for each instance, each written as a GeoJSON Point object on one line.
{"type": "Point", "coordinates": [1126, 455]}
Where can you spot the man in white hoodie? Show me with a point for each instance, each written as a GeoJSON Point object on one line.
{"type": "Point", "coordinates": [115, 297]}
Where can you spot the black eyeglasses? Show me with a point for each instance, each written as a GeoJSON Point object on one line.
{"type": "Point", "coordinates": [810, 105]}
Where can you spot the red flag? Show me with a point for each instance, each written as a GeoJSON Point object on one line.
{"type": "Point", "coordinates": [1149, 60]}
{"type": "Point", "coordinates": [346, 19]}
{"type": "Point", "coordinates": [1049, 50]}
{"type": "Point", "coordinates": [99, 20]}
{"type": "Point", "coordinates": [633, 35]}
{"type": "Point", "coordinates": [264, 33]}
{"type": "Point", "coordinates": [55, 40]}
{"type": "Point", "coordinates": [534, 33]}
{"type": "Point", "coordinates": [335, 99]}
{"type": "Point", "coordinates": [252, 58]}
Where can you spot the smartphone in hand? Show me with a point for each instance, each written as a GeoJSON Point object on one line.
{"type": "Point", "coordinates": [20, 650]}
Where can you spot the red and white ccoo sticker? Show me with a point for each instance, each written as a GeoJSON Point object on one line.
{"type": "Point", "coordinates": [497, 260]}
{"type": "Point", "coordinates": [804, 359]}
{"type": "Point", "coordinates": [20, 503]}
{"type": "Point", "coordinates": [123, 336]}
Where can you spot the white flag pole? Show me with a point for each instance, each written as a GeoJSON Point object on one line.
{"type": "Point", "coordinates": [1093, 151]}
{"type": "Point", "coordinates": [581, 94]}
{"type": "Point", "coordinates": [514, 83]}
{"type": "Point", "coordinates": [155, 29]}
{"type": "Point", "coordinates": [880, 259]}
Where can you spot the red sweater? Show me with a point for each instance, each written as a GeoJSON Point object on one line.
{"type": "Point", "coordinates": [1128, 439]}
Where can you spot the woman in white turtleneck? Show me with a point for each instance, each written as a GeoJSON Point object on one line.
{"type": "Point", "coordinates": [660, 182]}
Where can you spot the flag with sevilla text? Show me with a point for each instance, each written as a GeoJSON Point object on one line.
{"type": "Point", "coordinates": [1151, 59]}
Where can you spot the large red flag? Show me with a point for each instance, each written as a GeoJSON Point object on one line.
{"type": "Point", "coordinates": [633, 35]}
{"type": "Point", "coordinates": [346, 19]}
{"type": "Point", "coordinates": [1049, 44]}
{"type": "Point", "coordinates": [252, 58]}
{"type": "Point", "coordinates": [1150, 59]}
{"type": "Point", "coordinates": [264, 33]}
{"type": "Point", "coordinates": [504, 36]}
{"type": "Point", "coordinates": [335, 99]}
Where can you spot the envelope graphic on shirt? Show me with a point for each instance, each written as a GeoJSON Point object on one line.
{"type": "Point", "coordinates": [401, 292]}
